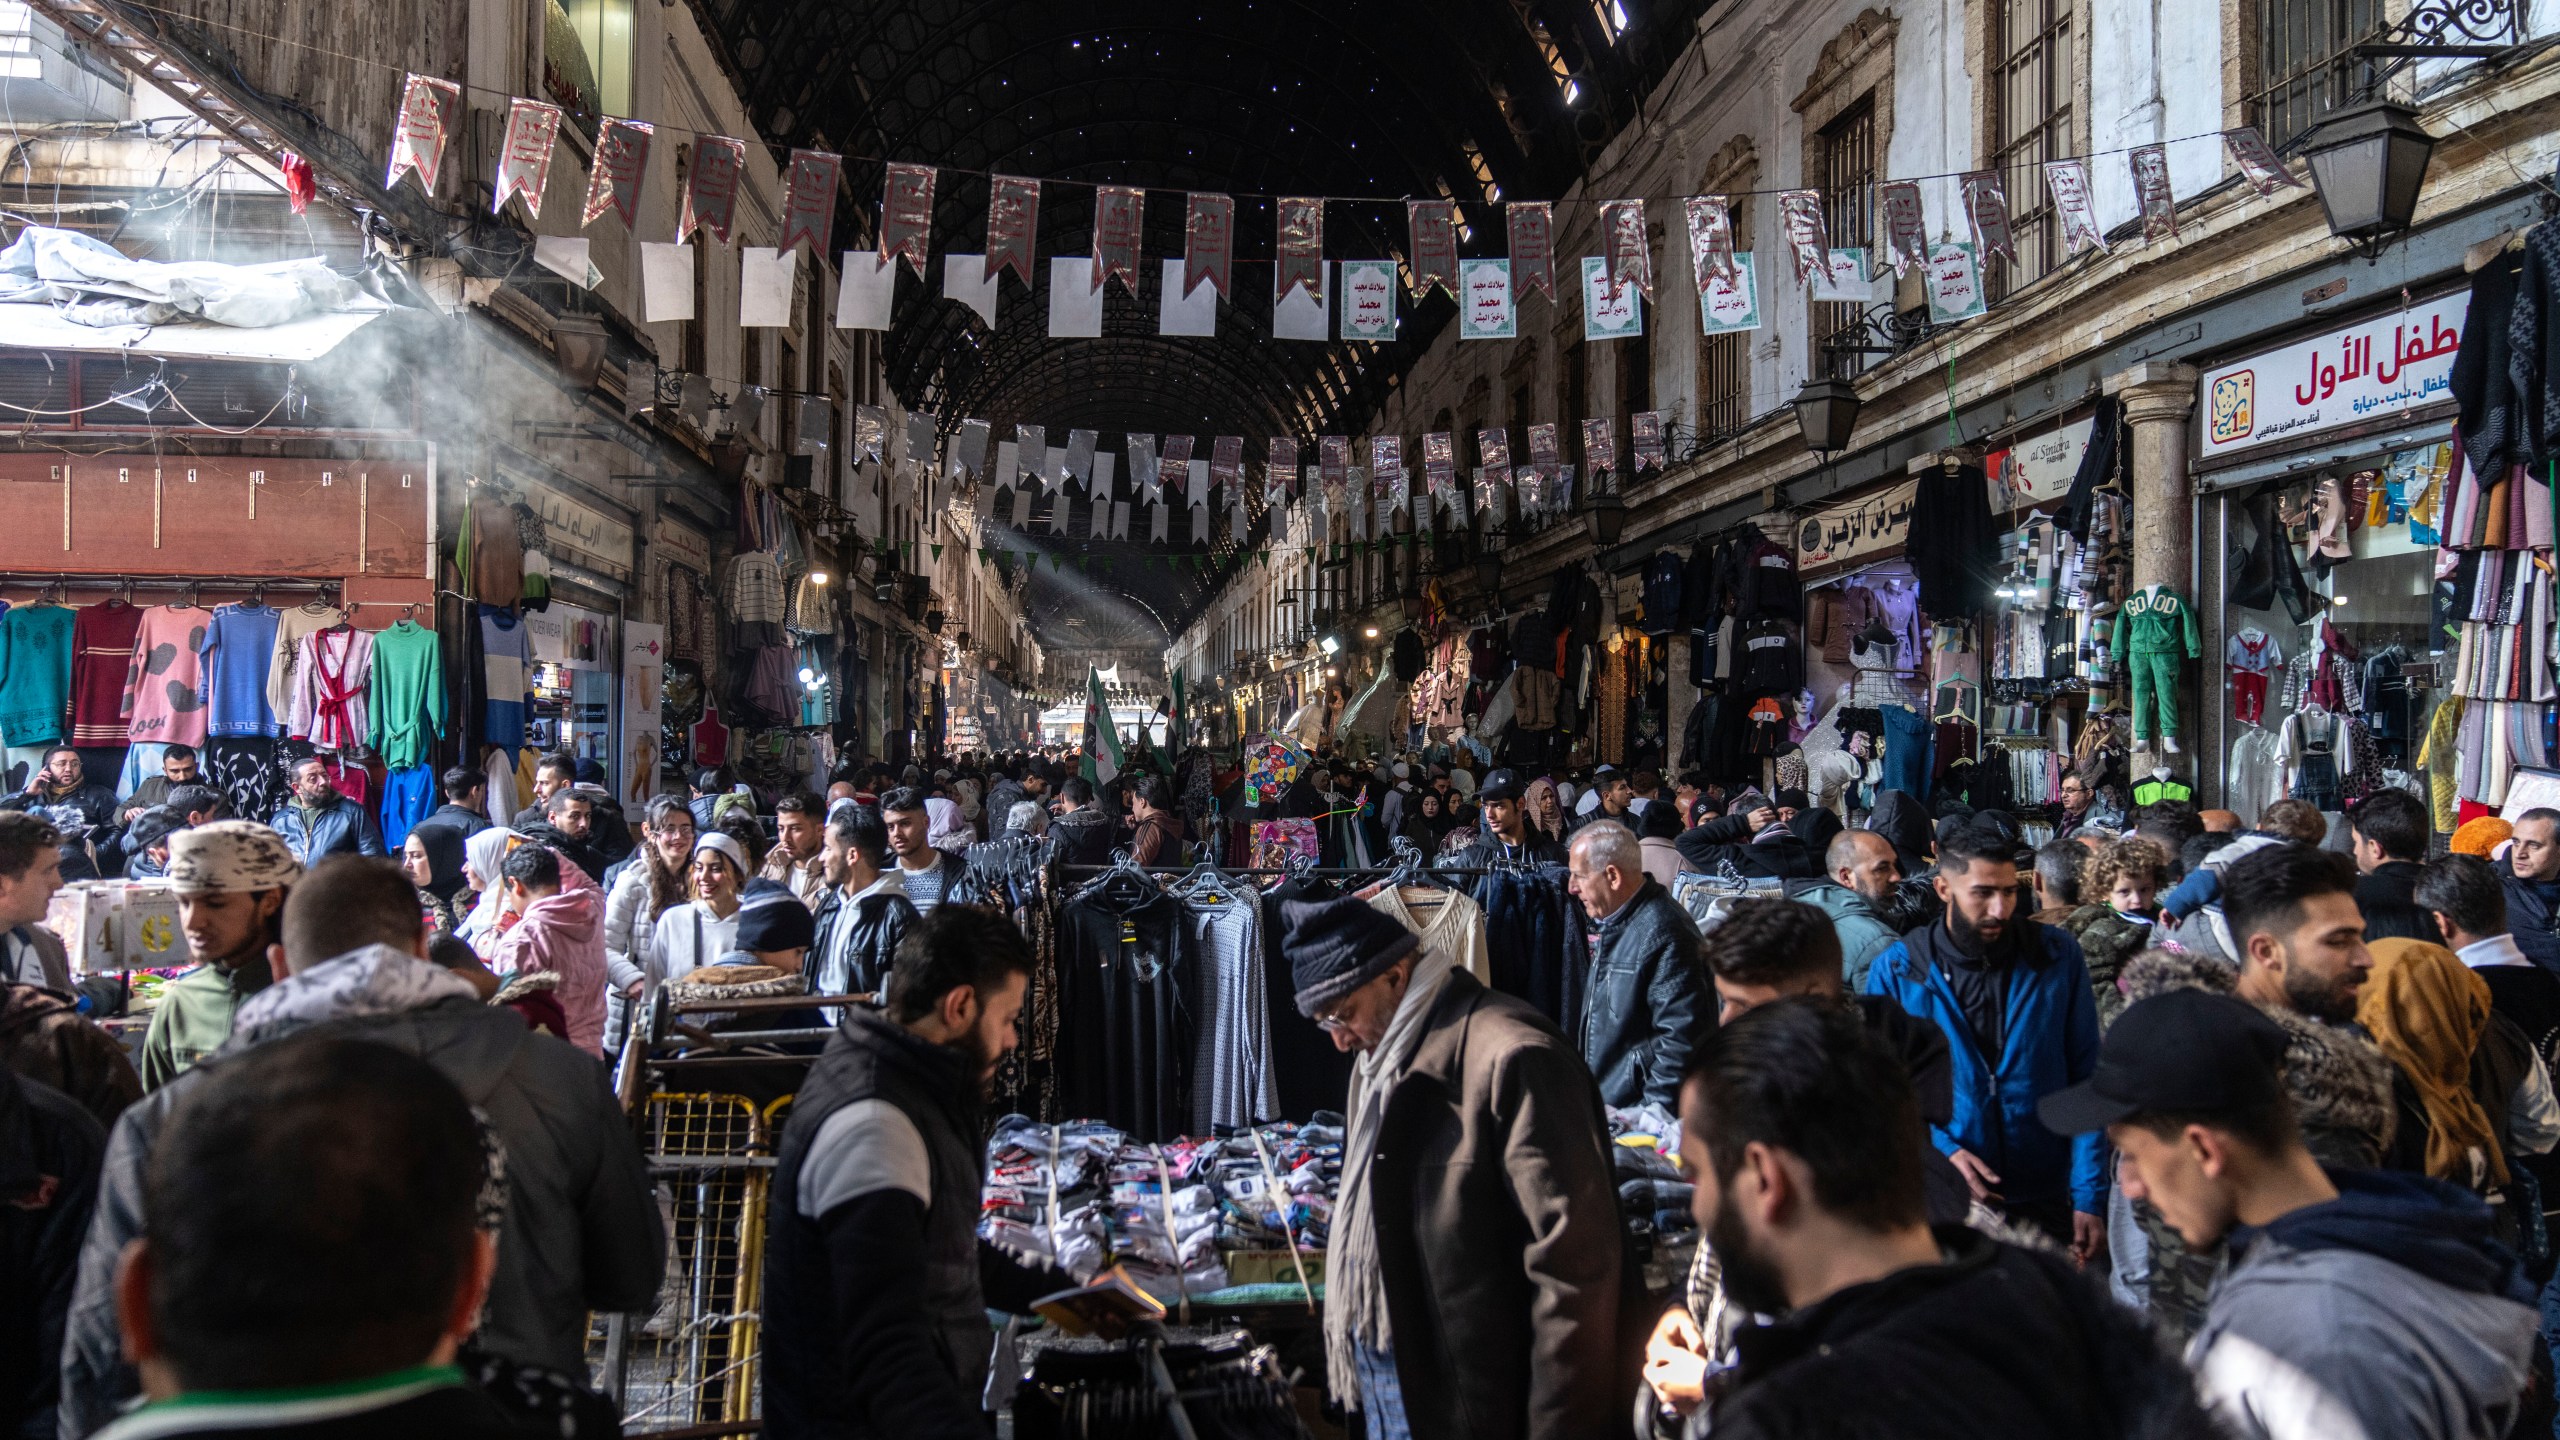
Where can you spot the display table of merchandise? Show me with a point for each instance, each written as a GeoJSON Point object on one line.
{"type": "Point", "coordinates": [1233, 1220]}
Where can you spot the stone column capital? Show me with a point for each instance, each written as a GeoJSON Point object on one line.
{"type": "Point", "coordinates": [2155, 391]}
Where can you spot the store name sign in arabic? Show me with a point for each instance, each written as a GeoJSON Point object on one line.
{"type": "Point", "coordinates": [1850, 532]}
{"type": "Point", "coordinates": [583, 530]}
{"type": "Point", "coordinates": [2387, 364]}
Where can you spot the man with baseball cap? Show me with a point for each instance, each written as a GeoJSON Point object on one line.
{"type": "Point", "coordinates": [1510, 833]}
{"type": "Point", "coordinates": [2359, 1303]}
{"type": "Point", "coordinates": [1475, 1271]}
{"type": "Point", "coordinates": [231, 877]}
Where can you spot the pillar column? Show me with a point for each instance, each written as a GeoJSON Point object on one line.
{"type": "Point", "coordinates": [2158, 398]}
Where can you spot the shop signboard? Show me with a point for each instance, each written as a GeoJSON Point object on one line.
{"type": "Point", "coordinates": [2038, 471]}
{"type": "Point", "coordinates": [676, 544]}
{"type": "Point", "coordinates": [581, 532]}
{"type": "Point", "coordinates": [2377, 368]}
{"type": "Point", "coordinates": [1856, 529]}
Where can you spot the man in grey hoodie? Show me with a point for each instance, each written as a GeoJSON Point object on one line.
{"type": "Point", "coordinates": [581, 1229]}
{"type": "Point", "coordinates": [2360, 1305]}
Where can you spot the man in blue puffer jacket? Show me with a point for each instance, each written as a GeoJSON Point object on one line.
{"type": "Point", "coordinates": [2021, 1022]}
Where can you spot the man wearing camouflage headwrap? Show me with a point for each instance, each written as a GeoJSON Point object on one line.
{"type": "Point", "coordinates": [231, 877]}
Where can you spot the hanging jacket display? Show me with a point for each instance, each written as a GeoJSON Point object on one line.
{"type": "Point", "coordinates": [1128, 982]}
{"type": "Point", "coordinates": [1956, 555]}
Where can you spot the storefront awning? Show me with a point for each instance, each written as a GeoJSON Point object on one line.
{"type": "Point", "coordinates": [295, 342]}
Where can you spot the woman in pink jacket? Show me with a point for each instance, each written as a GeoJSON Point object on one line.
{"type": "Point", "coordinates": [560, 929]}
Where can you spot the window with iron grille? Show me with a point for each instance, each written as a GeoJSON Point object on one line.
{"type": "Point", "coordinates": [2030, 124]}
{"type": "Point", "coordinates": [2305, 67]}
{"type": "Point", "coordinates": [1724, 361]}
{"type": "Point", "coordinates": [1844, 165]}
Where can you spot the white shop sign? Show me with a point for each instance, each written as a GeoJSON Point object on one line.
{"type": "Point", "coordinates": [2381, 367]}
{"type": "Point", "coordinates": [2038, 471]}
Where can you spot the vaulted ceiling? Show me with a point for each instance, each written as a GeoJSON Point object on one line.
{"type": "Point", "coordinates": [1382, 99]}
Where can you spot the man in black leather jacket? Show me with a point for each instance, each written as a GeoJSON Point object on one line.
{"type": "Point", "coordinates": [865, 911]}
{"type": "Point", "coordinates": [1645, 1006]}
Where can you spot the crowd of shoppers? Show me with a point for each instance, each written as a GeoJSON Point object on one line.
{"type": "Point", "coordinates": [2157, 1092]}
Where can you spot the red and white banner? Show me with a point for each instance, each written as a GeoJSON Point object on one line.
{"type": "Point", "coordinates": [809, 200]}
{"type": "Point", "coordinates": [427, 110]}
{"type": "Point", "coordinates": [711, 187]}
{"type": "Point", "coordinates": [524, 156]}
{"type": "Point", "coordinates": [1986, 207]}
{"type": "Point", "coordinates": [1626, 247]}
{"type": "Point", "coordinates": [1906, 230]}
{"type": "Point", "coordinates": [1386, 462]}
{"type": "Point", "coordinates": [2151, 185]}
{"type": "Point", "coordinates": [906, 215]}
{"type": "Point", "coordinates": [1808, 233]}
{"type": "Point", "coordinates": [1119, 226]}
{"type": "Point", "coordinates": [1300, 246]}
{"type": "Point", "coordinates": [1226, 463]}
{"type": "Point", "coordinates": [1209, 244]}
{"type": "Point", "coordinates": [1333, 461]}
{"type": "Point", "coordinates": [1710, 240]}
{"type": "Point", "coordinates": [2259, 161]}
{"type": "Point", "coordinates": [1531, 224]}
{"type": "Point", "coordinates": [1013, 225]}
{"type": "Point", "coordinates": [1434, 224]}
{"type": "Point", "coordinates": [1439, 462]}
{"type": "Point", "coordinates": [2069, 182]}
{"type": "Point", "coordinates": [621, 163]}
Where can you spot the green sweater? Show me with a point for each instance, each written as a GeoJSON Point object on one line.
{"type": "Point", "coordinates": [2155, 621]}
{"type": "Point", "coordinates": [193, 1018]}
{"type": "Point", "coordinates": [405, 696]}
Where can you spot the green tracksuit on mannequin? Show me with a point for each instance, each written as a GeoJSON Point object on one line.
{"type": "Point", "coordinates": [2155, 633]}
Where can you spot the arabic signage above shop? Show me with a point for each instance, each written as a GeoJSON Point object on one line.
{"type": "Point", "coordinates": [2382, 367]}
{"type": "Point", "coordinates": [1856, 530]}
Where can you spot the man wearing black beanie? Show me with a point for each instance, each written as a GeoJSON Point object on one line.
{"type": "Point", "coordinates": [1477, 1294]}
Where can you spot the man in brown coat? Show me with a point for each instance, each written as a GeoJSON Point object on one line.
{"type": "Point", "coordinates": [1476, 1272]}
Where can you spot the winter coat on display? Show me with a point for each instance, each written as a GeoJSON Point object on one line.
{"type": "Point", "coordinates": [2484, 394]}
{"type": "Point", "coordinates": [875, 1364]}
{"type": "Point", "coordinates": [582, 1230]}
{"type": "Point", "coordinates": [2097, 466]}
{"type": "Point", "coordinates": [1664, 575]}
{"type": "Point", "coordinates": [2387, 1311]}
{"type": "Point", "coordinates": [2049, 1040]}
{"type": "Point", "coordinates": [1646, 1004]}
{"type": "Point", "coordinates": [1932, 1353]}
{"type": "Point", "coordinates": [1129, 1008]}
{"type": "Point", "coordinates": [1956, 556]}
{"type": "Point", "coordinates": [1507, 1282]}
{"type": "Point", "coordinates": [1768, 581]}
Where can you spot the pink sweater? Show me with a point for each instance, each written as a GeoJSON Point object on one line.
{"type": "Point", "coordinates": [564, 933]}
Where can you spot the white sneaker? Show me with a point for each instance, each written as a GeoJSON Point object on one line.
{"type": "Point", "coordinates": [2169, 743]}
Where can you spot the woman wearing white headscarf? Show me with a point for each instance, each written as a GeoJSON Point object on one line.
{"type": "Point", "coordinates": [946, 828]}
{"type": "Point", "coordinates": [483, 852]}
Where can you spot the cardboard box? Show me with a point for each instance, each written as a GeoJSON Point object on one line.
{"type": "Point", "coordinates": [1272, 1267]}
{"type": "Point", "coordinates": [118, 925]}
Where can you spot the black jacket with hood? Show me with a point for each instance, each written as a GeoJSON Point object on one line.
{"type": "Point", "coordinates": [1933, 1353]}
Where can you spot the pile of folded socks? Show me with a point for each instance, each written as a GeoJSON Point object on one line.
{"type": "Point", "coordinates": [1112, 1201]}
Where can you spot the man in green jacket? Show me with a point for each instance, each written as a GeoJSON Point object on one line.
{"type": "Point", "coordinates": [231, 877]}
{"type": "Point", "coordinates": [1860, 873]}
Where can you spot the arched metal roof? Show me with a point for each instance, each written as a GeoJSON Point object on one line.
{"type": "Point", "coordinates": [1383, 99]}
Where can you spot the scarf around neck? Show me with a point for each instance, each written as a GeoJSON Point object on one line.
{"type": "Point", "coordinates": [1356, 1297]}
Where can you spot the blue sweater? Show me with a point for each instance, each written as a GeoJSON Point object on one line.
{"type": "Point", "coordinates": [2051, 1042]}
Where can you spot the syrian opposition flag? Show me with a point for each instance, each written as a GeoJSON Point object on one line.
{"type": "Point", "coordinates": [1102, 753]}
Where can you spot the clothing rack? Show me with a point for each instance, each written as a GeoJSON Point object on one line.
{"type": "Point", "coordinates": [71, 580]}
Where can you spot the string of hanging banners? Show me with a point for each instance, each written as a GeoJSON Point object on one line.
{"type": "Point", "coordinates": [1315, 297]}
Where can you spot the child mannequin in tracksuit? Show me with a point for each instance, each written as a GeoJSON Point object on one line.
{"type": "Point", "coordinates": [2155, 633]}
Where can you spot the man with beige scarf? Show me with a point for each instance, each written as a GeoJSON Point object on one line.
{"type": "Point", "coordinates": [1476, 1274]}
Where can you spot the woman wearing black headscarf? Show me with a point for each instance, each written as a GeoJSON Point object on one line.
{"type": "Point", "coordinates": [432, 858]}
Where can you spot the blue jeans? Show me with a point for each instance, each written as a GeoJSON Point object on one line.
{"type": "Point", "coordinates": [1381, 1394]}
